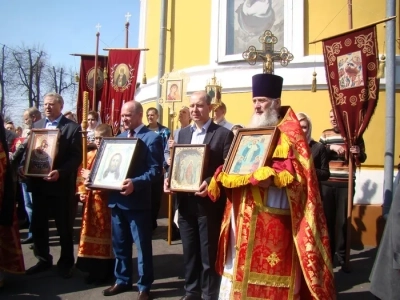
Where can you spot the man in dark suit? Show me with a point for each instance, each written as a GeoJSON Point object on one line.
{"type": "Point", "coordinates": [200, 218]}
{"type": "Point", "coordinates": [131, 208]}
{"type": "Point", "coordinates": [51, 193]}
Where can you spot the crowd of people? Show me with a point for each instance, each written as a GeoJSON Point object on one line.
{"type": "Point", "coordinates": [273, 234]}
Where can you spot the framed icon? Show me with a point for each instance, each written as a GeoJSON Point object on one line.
{"type": "Point", "coordinates": [113, 162]}
{"type": "Point", "coordinates": [187, 167]}
{"type": "Point", "coordinates": [251, 149]}
{"type": "Point", "coordinates": [174, 91]}
{"type": "Point", "coordinates": [41, 151]}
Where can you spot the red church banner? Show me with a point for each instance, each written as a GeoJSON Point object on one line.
{"type": "Point", "coordinates": [122, 76]}
{"type": "Point", "coordinates": [86, 81]}
{"type": "Point", "coordinates": [351, 65]}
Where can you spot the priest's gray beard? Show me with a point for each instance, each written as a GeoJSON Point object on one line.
{"type": "Point", "coordinates": [269, 117]}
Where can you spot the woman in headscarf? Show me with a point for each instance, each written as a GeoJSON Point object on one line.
{"type": "Point", "coordinates": [11, 259]}
{"type": "Point", "coordinates": [318, 151]}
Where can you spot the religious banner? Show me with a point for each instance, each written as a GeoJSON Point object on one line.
{"type": "Point", "coordinates": [351, 65]}
{"type": "Point", "coordinates": [86, 81]}
{"type": "Point", "coordinates": [122, 72]}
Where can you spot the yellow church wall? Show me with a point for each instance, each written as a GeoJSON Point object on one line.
{"type": "Point", "coordinates": [187, 36]}
{"type": "Point", "coordinates": [320, 20]}
{"type": "Point", "coordinates": [188, 46]}
{"type": "Point", "coordinates": [316, 106]}
{"type": "Point", "coordinates": [191, 33]}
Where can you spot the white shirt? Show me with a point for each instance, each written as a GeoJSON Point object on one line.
{"type": "Point", "coordinates": [198, 135]}
{"type": "Point", "coordinates": [226, 124]}
{"type": "Point", "coordinates": [53, 124]}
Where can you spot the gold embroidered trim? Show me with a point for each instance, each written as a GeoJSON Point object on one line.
{"type": "Point", "coordinates": [250, 246]}
{"type": "Point", "coordinates": [269, 280]}
{"type": "Point", "coordinates": [110, 256]}
{"type": "Point", "coordinates": [227, 275]}
{"type": "Point", "coordinates": [239, 227]}
{"type": "Point", "coordinates": [100, 241]}
{"type": "Point", "coordinates": [295, 262]}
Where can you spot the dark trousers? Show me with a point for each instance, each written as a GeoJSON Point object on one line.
{"type": "Point", "coordinates": [60, 208]}
{"type": "Point", "coordinates": [157, 188]}
{"type": "Point", "coordinates": [334, 201]}
{"type": "Point", "coordinates": [130, 226]}
{"type": "Point", "coordinates": [199, 226]}
{"type": "Point", "coordinates": [21, 213]}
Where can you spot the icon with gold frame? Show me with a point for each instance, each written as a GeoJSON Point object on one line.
{"type": "Point", "coordinates": [251, 149]}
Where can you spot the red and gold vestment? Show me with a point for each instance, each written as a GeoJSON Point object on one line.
{"type": "Point", "coordinates": [95, 241]}
{"type": "Point", "coordinates": [275, 253]}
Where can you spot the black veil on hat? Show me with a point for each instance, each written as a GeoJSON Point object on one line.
{"type": "Point", "coordinates": [267, 85]}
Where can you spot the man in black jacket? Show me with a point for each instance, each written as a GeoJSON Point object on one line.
{"type": "Point", "coordinates": [199, 217]}
{"type": "Point", "coordinates": [52, 192]}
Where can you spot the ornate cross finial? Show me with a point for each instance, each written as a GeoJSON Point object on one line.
{"type": "Point", "coordinates": [127, 16]}
{"type": "Point", "coordinates": [268, 54]}
{"type": "Point", "coordinates": [98, 26]}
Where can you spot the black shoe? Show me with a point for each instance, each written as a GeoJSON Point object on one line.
{"type": "Point", "coordinates": [342, 263]}
{"type": "Point", "coordinates": [176, 235]}
{"type": "Point", "coordinates": [65, 272]}
{"type": "Point", "coordinates": [155, 225]}
{"type": "Point", "coordinates": [32, 247]}
{"type": "Point", "coordinates": [41, 266]}
{"type": "Point", "coordinates": [117, 289]}
{"type": "Point", "coordinates": [191, 297]}
{"type": "Point", "coordinates": [28, 240]}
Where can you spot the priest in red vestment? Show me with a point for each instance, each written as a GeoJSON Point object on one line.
{"type": "Point", "coordinates": [274, 241]}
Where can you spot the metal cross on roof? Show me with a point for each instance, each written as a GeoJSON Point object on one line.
{"type": "Point", "coordinates": [127, 16]}
{"type": "Point", "coordinates": [98, 26]}
{"type": "Point", "coordinates": [268, 54]}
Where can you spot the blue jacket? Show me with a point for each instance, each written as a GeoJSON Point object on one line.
{"type": "Point", "coordinates": [146, 169]}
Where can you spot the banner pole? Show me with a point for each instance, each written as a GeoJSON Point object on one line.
{"type": "Point", "coordinates": [350, 184]}
{"type": "Point", "coordinates": [350, 13]}
{"type": "Point", "coordinates": [170, 206]}
{"type": "Point", "coordinates": [350, 195]}
{"type": "Point", "coordinates": [84, 126]}
{"type": "Point", "coordinates": [94, 106]}
{"type": "Point", "coordinates": [126, 34]}
{"type": "Point", "coordinates": [140, 49]}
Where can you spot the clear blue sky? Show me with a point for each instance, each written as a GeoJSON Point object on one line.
{"type": "Point", "coordinates": [64, 27]}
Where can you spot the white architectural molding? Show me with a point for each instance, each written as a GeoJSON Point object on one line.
{"type": "Point", "coordinates": [236, 77]}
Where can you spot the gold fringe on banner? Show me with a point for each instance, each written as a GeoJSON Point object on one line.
{"type": "Point", "coordinates": [381, 68]}
{"type": "Point", "coordinates": [314, 82]}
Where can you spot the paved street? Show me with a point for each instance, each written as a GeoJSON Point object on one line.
{"type": "Point", "coordinates": [168, 271]}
